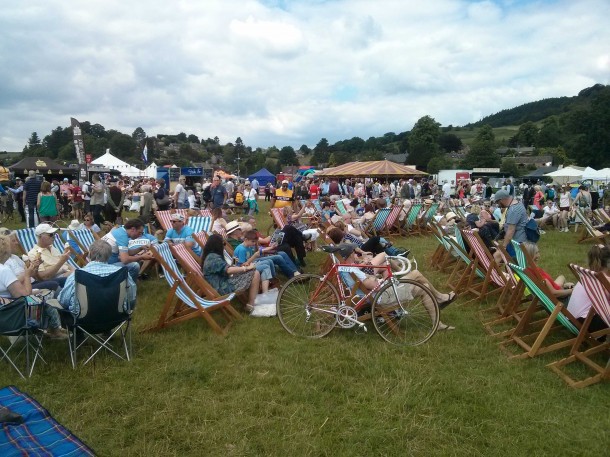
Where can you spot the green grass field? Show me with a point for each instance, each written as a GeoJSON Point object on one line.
{"type": "Point", "coordinates": [260, 391]}
{"type": "Point", "coordinates": [501, 134]}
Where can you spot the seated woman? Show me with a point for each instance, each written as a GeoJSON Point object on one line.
{"type": "Point", "coordinates": [370, 281]}
{"type": "Point", "coordinates": [580, 304]}
{"type": "Point", "coordinates": [219, 223]}
{"type": "Point", "coordinates": [225, 278]}
{"type": "Point", "coordinates": [558, 286]}
{"type": "Point", "coordinates": [89, 224]}
{"type": "Point", "coordinates": [13, 286]}
{"type": "Point", "coordinates": [488, 229]}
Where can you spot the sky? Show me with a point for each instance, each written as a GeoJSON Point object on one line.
{"type": "Point", "coordinates": [288, 72]}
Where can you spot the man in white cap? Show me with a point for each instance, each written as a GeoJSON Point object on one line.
{"type": "Point", "coordinates": [53, 265]}
{"type": "Point", "coordinates": [283, 196]}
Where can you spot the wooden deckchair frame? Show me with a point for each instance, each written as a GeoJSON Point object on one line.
{"type": "Point", "coordinates": [589, 232]}
{"type": "Point", "coordinates": [597, 287]}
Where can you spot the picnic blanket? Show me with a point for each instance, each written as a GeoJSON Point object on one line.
{"type": "Point", "coordinates": [39, 434]}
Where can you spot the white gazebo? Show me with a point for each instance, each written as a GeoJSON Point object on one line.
{"type": "Point", "coordinates": [565, 175]}
{"type": "Point", "coordinates": [114, 163]}
{"type": "Point", "coordinates": [151, 171]}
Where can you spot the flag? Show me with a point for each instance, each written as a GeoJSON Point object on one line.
{"type": "Point", "coordinates": [145, 153]}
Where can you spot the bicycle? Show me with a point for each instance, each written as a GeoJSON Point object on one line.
{"type": "Point", "coordinates": [6, 209]}
{"type": "Point", "coordinates": [403, 311]}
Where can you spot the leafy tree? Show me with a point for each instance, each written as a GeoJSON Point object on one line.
{"type": "Point", "coordinates": [97, 131]}
{"type": "Point", "coordinates": [193, 138]}
{"type": "Point", "coordinates": [123, 146]}
{"type": "Point", "coordinates": [423, 141]}
{"type": "Point", "coordinates": [527, 134]}
{"type": "Point", "coordinates": [305, 149]}
{"type": "Point", "coordinates": [287, 156]}
{"type": "Point", "coordinates": [440, 162]}
{"type": "Point", "coordinates": [449, 142]}
{"type": "Point", "coordinates": [549, 134]}
{"type": "Point", "coordinates": [321, 152]}
{"type": "Point", "coordinates": [139, 135]}
{"type": "Point", "coordinates": [510, 166]}
{"type": "Point", "coordinates": [181, 137]}
{"type": "Point", "coordinates": [483, 150]}
{"type": "Point", "coordinates": [559, 154]}
{"type": "Point", "coordinates": [57, 139]}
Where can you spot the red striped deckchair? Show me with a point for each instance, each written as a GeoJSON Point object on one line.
{"type": "Point", "coordinates": [597, 287]}
{"type": "Point", "coordinates": [164, 217]}
{"type": "Point", "coordinates": [390, 227]}
{"type": "Point", "coordinates": [494, 280]}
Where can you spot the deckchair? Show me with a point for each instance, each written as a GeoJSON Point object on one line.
{"type": "Point", "coordinates": [410, 226]}
{"type": "Point", "coordinates": [205, 212]}
{"type": "Point", "coordinates": [200, 223]}
{"type": "Point", "coordinates": [461, 273]}
{"type": "Point", "coordinates": [182, 303]}
{"type": "Point", "coordinates": [602, 215]}
{"type": "Point", "coordinates": [376, 224]}
{"type": "Point", "coordinates": [590, 233]}
{"type": "Point", "coordinates": [597, 288]}
{"type": "Point", "coordinates": [428, 214]}
{"type": "Point", "coordinates": [494, 281]}
{"type": "Point", "coordinates": [278, 219]}
{"type": "Point", "coordinates": [533, 344]}
{"type": "Point", "coordinates": [340, 207]}
{"type": "Point", "coordinates": [194, 276]}
{"type": "Point", "coordinates": [201, 238]}
{"type": "Point", "coordinates": [391, 223]}
{"type": "Point", "coordinates": [27, 241]}
{"type": "Point", "coordinates": [83, 238]}
{"type": "Point", "coordinates": [442, 258]}
{"type": "Point", "coordinates": [164, 217]}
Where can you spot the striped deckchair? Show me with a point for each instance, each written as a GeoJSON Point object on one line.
{"type": "Point", "coordinates": [201, 239]}
{"type": "Point", "coordinates": [164, 217]}
{"type": "Point", "coordinates": [429, 214]}
{"type": "Point", "coordinates": [27, 241]}
{"type": "Point", "coordinates": [461, 273]}
{"type": "Point", "coordinates": [340, 207]}
{"type": "Point", "coordinates": [84, 238]}
{"type": "Point", "coordinates": [376, 225]}
{"type": "Point", "coordinates": [390, 226]}
{"type": "Point", "coordinates": [410, 226]}
{"type": "Point", "coordinates": [278, 219]}
{"type": "Point", "coordinates": [597, 287]}
{"type": "Point", "coordinates": [494, 280]}
{"type": "Point", "coordinates": [200, 223]}
{"type": "Point", "coordinates": [590, 233]}
{"type": "Point", "coordinates": [441, 258]}
{"type": "Point", "coordinates": [205, 212]}
{"type": "Point", "coordinates": [182, 302]}
{"type": "Point", "coordinates": [194, 274]}
{"type": "Point", "coordinates": [532, 344]}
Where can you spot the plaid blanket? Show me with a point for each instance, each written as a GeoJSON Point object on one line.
{"type": "Point", "coordinates": [40, 435]}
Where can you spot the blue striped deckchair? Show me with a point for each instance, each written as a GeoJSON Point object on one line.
{"type": "Point", "coordinates": [200, 224]}
{"type": "Point", "coordinates": [410, 225]}
{"type": "Point", "coordinates": [182, 301]}
{"type": "Point", "coordinates": [83, 237]}
{"type": "Point", "coordinates": [430, 212]}
{"type": "Point", "coordinates": [27, 240]}
{"type": "Point", "coordinates": [39, 434]}
{"type": "Point", "coordinates": [532, 344]}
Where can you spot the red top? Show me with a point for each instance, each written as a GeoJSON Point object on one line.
{"type": "Point", "coordinates": [314, 191]}
{"type": "Point", "coordinates": [546, 276]}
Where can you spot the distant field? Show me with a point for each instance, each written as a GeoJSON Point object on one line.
{"type": "Point", "coordinates": [501, 133]}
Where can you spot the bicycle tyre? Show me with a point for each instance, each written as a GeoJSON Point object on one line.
{"type": "Point", "coordinates": [294, 309]}
{"type": "Point", "coordinates": [411, 318]}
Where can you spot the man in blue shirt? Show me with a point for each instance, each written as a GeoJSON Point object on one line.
{"type": "Point", "coordinates": [99, 254]}
{"type": "Point", "coordinates": [218, 193]}
{"type": "Point", "coordinates": [182, 234]}
{"type": "Point", "coordinates": [122, 253]}
{"type": "Point", "coordinates": [31, 189]}
{"type": "Point", "coordinates": [515, 220]}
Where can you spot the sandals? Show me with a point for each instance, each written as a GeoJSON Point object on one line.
{"type": "Point", "coordinates": [444, 304]}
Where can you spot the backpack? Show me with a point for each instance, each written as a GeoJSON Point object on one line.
{"type": "Point", "coordinates": [207, 194]}
{"type": "Point", "coordinates": [532, 231]}
{"type": "Point", "coordinates": [239, 198]}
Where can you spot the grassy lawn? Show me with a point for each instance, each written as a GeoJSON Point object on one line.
{"type": "Point", "coordinates": [260, 391]}
{"type": "Point", "coordinates": [501, 133]}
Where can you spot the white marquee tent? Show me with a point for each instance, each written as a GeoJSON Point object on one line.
{"type": "Point", "coordinates": [114, 163]}
{"type": "Point", "coordinates": [565, 175]}
{"type": "Point", "coordinates": [151, 171]}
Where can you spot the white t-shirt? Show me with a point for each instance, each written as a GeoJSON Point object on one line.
{"type": "Point", "coordinates": [251, 195]}
{"type": "Point", "coordinates": [446, 190]}
{"type": "Point", "coordinates": [181, 192]}
{"type": "Point", "coordinates": [7, 277]}
{"type": "Point", "coordinates": [16, 265]}
{"type": "Point", "coordinates": [579, 303]}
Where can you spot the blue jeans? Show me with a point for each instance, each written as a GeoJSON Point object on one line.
{"type": "Point", "coordinates": [133, 268]}
{"type": "Point", "coordinates": [283, 262]}
{"type": "Point", "coordinates": [266, 268]}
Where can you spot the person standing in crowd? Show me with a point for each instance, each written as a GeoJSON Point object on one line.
{"type": "Point", "coordinates": [86, 193]}
{"type": "Point", "coordinates": [76, 199]}
{"type": "Point", "coordinates": [218, 193]}
{"type": "Point", "coordinates": [230, 187]}
{"type": "Point", "coordinates": [31, 189]}
{"type": "Point", "coordinates": [17, 192]}
{"type": "Point", "coordinates": [64, 197]}
{"type": "Point", "coordinates": [114, 198]}
{"type": "Point", "coordinates": [268, 192]}
{"type": "Point", "coordinates": [180, 196]}
{"type": "Point", "coordinates": [161, 196]}
{"type": "Point", "coordinates": [97, 199]}
{"type": "Point", "coordinates": [255, 185]}
{"type": "Point", "coordinates": [283, 196]}
{"type": "Point", "coordinates": [515, 218]}
{"type": "Point", "coordinates": [314, 190]}
{"type": "Point", "coordinates": [47, 203]}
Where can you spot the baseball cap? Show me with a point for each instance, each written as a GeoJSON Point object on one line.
{"type": "Point", "coordinates": [177, 217]}
{"type": "Point", "coordinates": [45, 228]}
{"type": "Point", "coordinates": [285, 181]}
{"type": "Point", "coordinates": [345, 250]}
{"type": "Point", "coordinates": [500, 195]}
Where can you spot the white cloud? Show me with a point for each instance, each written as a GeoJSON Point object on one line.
{"type": "Point", "coordinates": [288, 72]}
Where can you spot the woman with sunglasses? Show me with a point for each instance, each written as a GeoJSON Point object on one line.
{"type": "Point", "coordinates": [89, 224]}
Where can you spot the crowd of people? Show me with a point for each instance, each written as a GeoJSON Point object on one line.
{"type": "Point", "coordinates": [310, 209]}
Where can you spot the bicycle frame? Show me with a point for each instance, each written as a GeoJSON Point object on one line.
{"type": "Point", "coordinates": [334, 273]}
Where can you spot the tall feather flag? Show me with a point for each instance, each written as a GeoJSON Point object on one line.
{"type": "Point", "coordinates": [145, 153]}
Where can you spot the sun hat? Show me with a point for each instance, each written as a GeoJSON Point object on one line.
{"type": "Point", "coordinates": [450, 215]}
{"type": "Point", "coordinates": [45, 228]}
{"type": "Point", "coordinates": [232, 226]}
{"type": "Point", "coordinates": [74, 225]}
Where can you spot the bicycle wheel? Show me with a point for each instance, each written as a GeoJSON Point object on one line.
{"type": "Point", "coordinates": [307, 307]}
{"type": "Point", "coordinates": [405, 313]}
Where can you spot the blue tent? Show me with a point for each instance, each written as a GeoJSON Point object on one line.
{"type": "Point", "coordinates": [263, 176]}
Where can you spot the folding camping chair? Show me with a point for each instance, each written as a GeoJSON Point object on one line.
{"type": "Point", "coordinates": [105, 311]}
{"type": "Point", "coordinates": [533, 344]}
{"type": "Point", "coordinates": [183, 303]}
{"type": "Point", "coordinates": [23, 320]}
{"type": "Point", "coordinates": [597, 288]}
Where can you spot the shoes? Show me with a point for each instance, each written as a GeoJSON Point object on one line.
{"type": "Point", "coordinates": [542, 232]}
{"type": "Point", "coordinates": [249, 308]}
{"type": "Point", "coordinates": [57, 334]}
{"type": "Point", "coordinates": [443, 327]}
{"type": "Point", "coordinates": [444, 304]}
